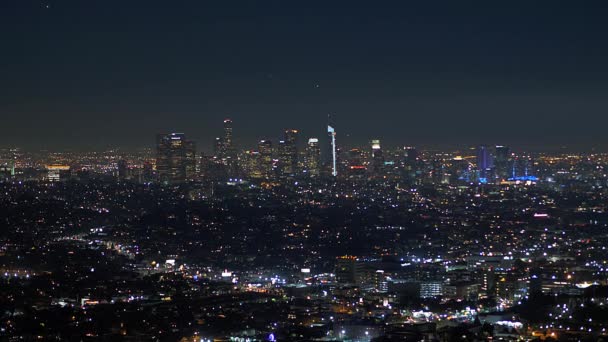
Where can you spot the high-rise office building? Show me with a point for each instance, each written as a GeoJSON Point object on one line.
{"type": "Point", "coordinates": [348, 270]}
{"type": "Point", "coordinates": [288, 153]}
{"type": "Point", "coordinates": [501, 162]}
{"type": "Point", "coordinates": [410, 164]}
{"type": "Point", "coordinates": [266, 161]}
{"type": "Point", "coordinates": [431, 288]}
{"type": "Point", "coordinates": [313, 157]}
{"type": "Point", "coordinates": [522, 168]}
{"type": "Point", "coordinates": [377, 158]}
{"type": "Point", "coordinates": [227, 140]}
{"type": "Point", "coordinates": [333, 150]}
{"type": "Point", "coordinates": [175, 157]}
{"type": "Point", "coordinates": [460, 171]}
{"type": "Point", "coordinates": [224, 146]}
{"type": "Point", "coordinates": [485, 164]}
{"type": "Point", "coordinates": [410, 154]}
{"type": "Point", "coordinates": [282, 156]}
{"type": "Point", "coordinates": [251, 163]}
{"type": "Point", "coordinates": [375, 145]}
{"type": "Point", "coordinates": [228, 150]}
{"type": "Point", "coordinates": [355, 160]}
{"type": "Point", "coordinates": [225, 151]}
{"type": "Point", "coordinates": [218, 148]}
{"type": "Point", "coordinates": [190, 159]}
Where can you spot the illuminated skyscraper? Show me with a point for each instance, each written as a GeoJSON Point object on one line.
{"type": "Point", "coordinates": [174, 157]}
{"type": "Point", "coordinates": [251, 162]}
{"type": "Point", "coordinates": [313, 157]}
{"type": "Point", "coordinates": [224, 147]}
{"type": "Point", "coordinates": [377, 158]}
{"type": "Point", "coordinates": [410, 155]}
{"type": "Point", "coordinates": [460, 171]}
{"type": "Point", "coordinates": [266, 162]}
{"type": "Point", "coordinates": [218, 148]}
{"type": "Point", "coordinates": [288, 152]}
{"type": "Point", "coordinates": [501, 162]}
{"type": "Point", "coordinates": [355, 160]}
{"type": "Point", "coordinates": [523, 168]}
{"type": "Point", "coordinates": [334, 158]}
{"type": "Point", "coordinates": [227, 143]}
{"type": "Point", "coordinates": [190, 159]}
{"type": "Point", "coordinates": [484, 164]}
{"type": "Point", "coordinates": [225, 153]}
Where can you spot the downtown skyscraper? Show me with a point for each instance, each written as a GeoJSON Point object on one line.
{"type": "Point", "coordinates": [175, 158]}
{"type": "Point", "coordinates": [312, 161]}
{"type": "Point", "coordinates": [333, 152]}
{"type": "Point", "coordinates": [501, 162]}
{"type": "Point", "coordinates": [377, 158]}
{"type": "Point", "coordinates": [266, 162]}
{"type": "Point", "coordinates": [288, 153]}
{"type": "Point", "coordinates": [485, 164]}
{"type": "Point", "coordinates": [224, 146]}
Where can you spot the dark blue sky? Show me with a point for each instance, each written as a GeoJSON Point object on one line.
{"type": "Point", "coordinates": [93, 73]}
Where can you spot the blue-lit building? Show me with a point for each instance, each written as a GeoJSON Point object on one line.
{"type": "Point", "coordinates": [485, 164]}
{"type": "Point", "coordinates": [522, 169]}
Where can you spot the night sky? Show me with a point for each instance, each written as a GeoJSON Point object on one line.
{"type": "Point", "coordinates": [90, 73]}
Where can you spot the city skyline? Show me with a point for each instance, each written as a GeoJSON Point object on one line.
{"type": "Point", "coordinates": [209, 145]}
{"type": "Point", "coordinates": [265, 171]}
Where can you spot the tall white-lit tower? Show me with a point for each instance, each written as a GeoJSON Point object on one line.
{"type": "Point", "coordinates": [332, 133]}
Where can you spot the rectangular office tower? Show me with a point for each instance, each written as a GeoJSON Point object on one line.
{"type": "Point", "coordinates": [485, 164]}
{"type": "Point", "coordinates": [175, 158]}
{"type": "Point", "coordinates": [501, 162]}
{"type": "Point", "coordinates": [313, 157]}
{"type": "Point", "coordinates": [288, 152]}
{"type": "Point", "coordinates": [377, 158]}
{"type": "Point", "coordinates": [224, 146]}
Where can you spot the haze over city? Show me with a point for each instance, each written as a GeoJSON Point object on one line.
{"type": "Point", "coordinates": [89, 75]}
{"type": "Point", "coordinates": [263, 171]}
